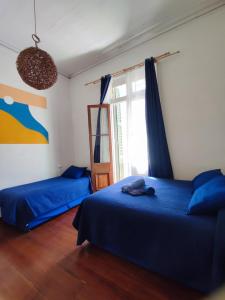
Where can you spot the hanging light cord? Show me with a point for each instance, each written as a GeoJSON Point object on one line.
{"type": "Point", "coordinates": [35, 20]}
{"type": "Point", "coordinates": [35, 38]}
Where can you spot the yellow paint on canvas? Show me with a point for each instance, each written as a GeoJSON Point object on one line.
{"type": "Point", "coordinates": [13, 132]}
{"type": "Point", "coordinates": [22, 97]}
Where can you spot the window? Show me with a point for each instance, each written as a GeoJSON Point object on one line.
{"type": "Point", "coordinates": [129, 128]}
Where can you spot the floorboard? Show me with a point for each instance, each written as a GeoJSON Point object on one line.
{"type": "Point", "coordinates": [45, 264]}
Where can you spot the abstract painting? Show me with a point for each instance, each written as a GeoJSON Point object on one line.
{"type": "Point", "coordinates": [21, 117]}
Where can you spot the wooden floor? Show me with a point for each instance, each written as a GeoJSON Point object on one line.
{"type": "Point", "coordinates": [46, 264]}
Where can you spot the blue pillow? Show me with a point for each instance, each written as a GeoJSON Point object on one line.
{"type": "Point", "coordinates": [204, 177]}
{"type": "Point", "coordinates": [74, 172]}
{"type": "Point", "coordinates": [208, 198]}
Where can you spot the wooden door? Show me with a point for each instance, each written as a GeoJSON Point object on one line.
{"type": "Point", "coordinates": [102, 170]}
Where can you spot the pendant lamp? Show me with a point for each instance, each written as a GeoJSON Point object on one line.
{"type": "Point", "coordinates": [35, 66]}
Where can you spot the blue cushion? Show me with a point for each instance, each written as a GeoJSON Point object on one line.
{"type": "Point", "coordinates": [208, 198]}
{"type": "Point", "coordinates": [204, 177]}
{"type": "Point", "coordinates": [74, 172]}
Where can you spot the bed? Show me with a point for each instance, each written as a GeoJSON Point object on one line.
{"type": "Point", "coordinates": [156, 232]}
{"type": "Point", "coordinates": [27, 206]}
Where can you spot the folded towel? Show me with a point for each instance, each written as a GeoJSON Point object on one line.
{"type": "Point", "coordinates": [146, 190]}
{"type": "Point", "coordinates": [149, 191]}
{"type": "Point", "coordinates": [137, 184]}
{"type": "Point", "coordinates": [138, 187]}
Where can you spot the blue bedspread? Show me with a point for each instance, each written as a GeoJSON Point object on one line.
{"type": "Point", "coordinates": [23, 204]}
{"type": "Point", "coordinates": [155, 232]}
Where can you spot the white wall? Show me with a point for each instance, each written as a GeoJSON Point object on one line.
{"type": "Point", "coordinates": [192, 87]}
{"type": "Point", "coordinates": [26, 163]}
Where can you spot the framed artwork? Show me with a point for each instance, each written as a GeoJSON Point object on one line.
{"type": "Point", "coordinates": [21, 117]}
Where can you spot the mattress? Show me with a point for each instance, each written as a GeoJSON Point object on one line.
{"type": "Point", "coordinates": [155, 232]}
{"type": "Point", "coordinates": [25, 206]}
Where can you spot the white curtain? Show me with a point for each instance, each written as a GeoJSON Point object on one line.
{"type": "Point", "coordinates": [129, 128]}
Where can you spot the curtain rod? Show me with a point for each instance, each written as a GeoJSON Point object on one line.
{"type": "Point", "coordinates": [118, 73]}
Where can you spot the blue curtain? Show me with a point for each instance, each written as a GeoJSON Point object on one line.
{"type": "Point", "coordinates": [158, 153]}
{"type": "Point", "coordinates": [105, 80]}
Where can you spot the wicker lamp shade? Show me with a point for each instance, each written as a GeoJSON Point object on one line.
{"type": "Point", "coordinates": [36, 68]}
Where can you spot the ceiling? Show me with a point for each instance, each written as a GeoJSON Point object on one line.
{"type": "Point", "coordinates": [82, 33]}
